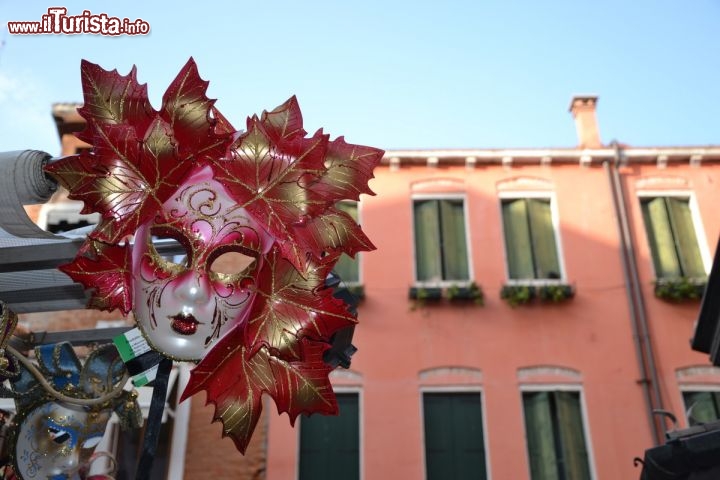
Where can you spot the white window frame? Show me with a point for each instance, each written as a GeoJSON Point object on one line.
{"type": "Point", "coordinates": [483, 411]}
{"type": "Point", "coordinates": [361, 431]}
{"type": "Point", "coordinates": [468, 244]}
{"type": "Point", "coordinates": [555, 216]}
{"type": "Point", "coordinates": [696, 219]}
{"type": "Point", "coordinates": [695, 387]}
{"type": "Point", "coordinates": [562, 387]}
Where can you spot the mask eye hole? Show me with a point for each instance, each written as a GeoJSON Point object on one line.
{"type": "Point", "coordinates": [58, 435]}
{"type": "Point", "coordinates": [169, 249]}
{"type": "Point", "coordinates": [231, 265]}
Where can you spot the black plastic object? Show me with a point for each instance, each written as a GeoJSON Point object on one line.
{"type": "Point", "coordinates": [154, 420]}
{"type": "Point", "coordinates": [707, 332]}
{"type": "Point", "coordinates": [342, 349]}
{"type": "Point", "coordinates": [690, 454]}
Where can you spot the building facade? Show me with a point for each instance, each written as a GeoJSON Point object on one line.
{"type": "Point", "coordinates": [586, 261]}
{"type": "Point", "coordinates": [556, 380]}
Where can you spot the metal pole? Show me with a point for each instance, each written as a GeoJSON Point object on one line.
{"type": "Point", "coordinates": [154, 420]}
{"type": "Point", "coordinates": [638, 316]}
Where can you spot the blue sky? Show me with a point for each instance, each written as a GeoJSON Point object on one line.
{"type": "Point", "coordinates": [454, 74]}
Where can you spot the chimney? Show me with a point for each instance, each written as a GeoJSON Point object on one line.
{"type": "Point", "coordinates": [582, 108]}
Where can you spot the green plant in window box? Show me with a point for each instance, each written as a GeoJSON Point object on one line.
{"type": "Point", "coordinates": [680, 289]}
{"type": "Point", "coordinates": [555, 293]}
{"type": "Point", "coordinates": [470, 293]}
{"type": "Point", "coordinates": [423, 295]}
{"type": "Point", "coordinates": [516, 295]}
{"type": "Point", "coordinates": [427, 294]}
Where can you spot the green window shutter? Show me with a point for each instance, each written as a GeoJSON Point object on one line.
{"type": "Point", "coordinates": [540, 436]}
{"type": "Point", "coordinates": [438, 437]}
{"type": "Point", "coordinates": [686, 241]}
{"type": "Point", "coordinates": [518, 246]}
{"type": "Point", "coordinates": [347, 268]}
{"type": "Point", "coordinates": [530, 241]}
{"type": "Point", "coordinates": [454, 246]}
{"type": "Point", "coordinates": [454, 442]}
{"type": "Point", "coordinates": [704, 407]}
{"type": "Point", "coordinates": [660, 236]}
{"type": "Point", "coordinates": [572, 437]}
{"type": "Point", "coordinates": [440, 244]}
{"type": "Point", "coordinates": [427, 241]}
{"type": "Point", "coordinates": [555, 436]}
{"type": "Point", "coordinates": [544, 244]}
{"type": "Point", "coordinates": [330, 445]}
{"type": "Point", "coordinates": [671, 233]}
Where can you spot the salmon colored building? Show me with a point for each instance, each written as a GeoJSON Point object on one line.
{"type": "Point", "coordinates": [447, 389]}
{"type": "Point", "coordinates": [524, 313]}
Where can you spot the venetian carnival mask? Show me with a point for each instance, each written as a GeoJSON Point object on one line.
{"type": "Point", "coordinates": [56, 439]}
{"type": "Point", "coordinates": [184, 303]}
{"type": "Point", "coordinates": [254, 215]}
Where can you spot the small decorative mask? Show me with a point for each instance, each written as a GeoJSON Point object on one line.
{"type": "Point", "coordinates": [254, 213]}
{"type": "Point", "coordinates": [55, 439]}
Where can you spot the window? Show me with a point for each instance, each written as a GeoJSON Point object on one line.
{"type": "Point", "coordinates": [347, 268]}
{"type": "Point", "coordinates": [671, 233]}
{"type": "Point", "coordinates": [330, 445]}
{"type": "Point", "coordinates": [555, 436]}
{"type": "Point", "coordinates": [440, 243]}
{"type": "Point", "coordinates": [530, 243]}
{"type": "Point", "coordinates": [454, 443]}
{"type": "Point", "coordinates": [702, 407]}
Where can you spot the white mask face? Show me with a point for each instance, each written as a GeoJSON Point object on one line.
{"type": "Point", "coordinates": [184, 304]}
{"type": "Point", "coordinates": [56, 439]}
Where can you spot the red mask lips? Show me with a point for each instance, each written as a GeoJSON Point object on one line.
{"type": "Point", "coordinates": [184, 324]}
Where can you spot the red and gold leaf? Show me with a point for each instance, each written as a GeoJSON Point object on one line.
{"type": "Point", "coordinates": [106, 270]}
{"type": "Point", "coordinates": [335, 231]}
{"type": "Point", "coordinates": [291, 181]}
{"type": "Point", "coordinates": [190, 114]}
{"type": "Point", "coordinates": [139, 156]}
{"type": "Point", "coordinates": [304, 387]}
{"type": "Point", "coordinates": [273, 179]}
{"type": "Point", "coordinates": [235, 379]}
{"type": "Point", "coordinates": [124, 179]}
{"type": "Point", "coordinates": [349, 169]}
{"type": "Point", "coordinates": [290, 306]}
{"type": "Point", "coordinates": [284, 122]}
{"type": "Point", "coordinates": [113, 99]}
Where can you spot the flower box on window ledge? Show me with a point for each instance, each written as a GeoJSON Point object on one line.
{"type": "Point", "coordinates": [465, 294]}
{"type": "Point", "coordinates": [680, 289]}
{"type": "Point", "coordinates": [555, 293]}
{"type": "Point", "coordinates": [516, 295]}
{"type": "Point", "coordinates": [425, 294]}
